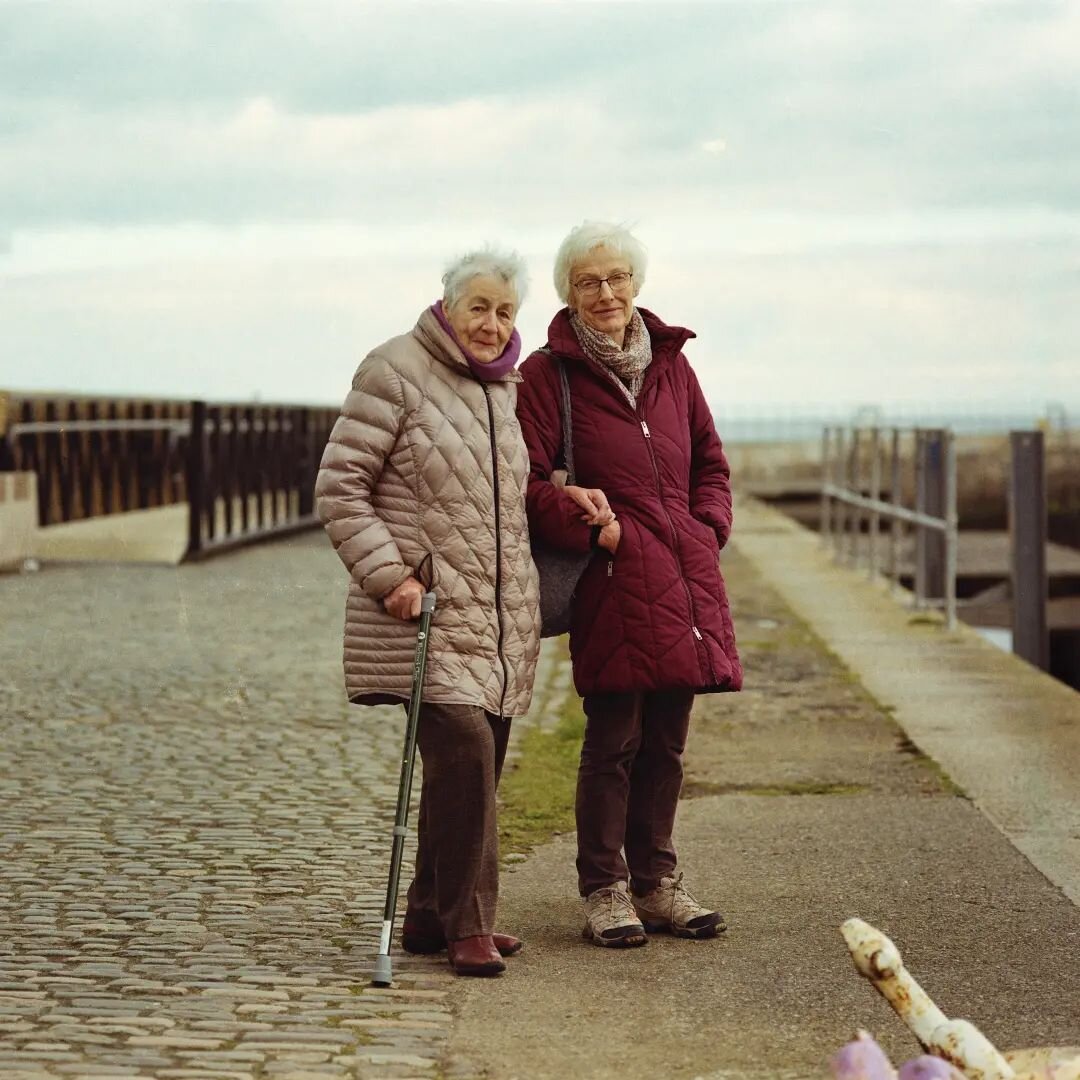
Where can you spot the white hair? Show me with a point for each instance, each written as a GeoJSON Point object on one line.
{"type": "Point", "coordinates": [586, 238]}
{"type": "Point", "coordinates": [508, 266]}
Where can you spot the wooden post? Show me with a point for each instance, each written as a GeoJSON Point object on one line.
{"type": "Point", "coordinates": [196, 477]}
{"type": "Point", "coordinates": [307, 462]}
{"type": "Point", "coordinates": [1027, 536]}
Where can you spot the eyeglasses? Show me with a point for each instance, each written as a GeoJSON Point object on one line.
{"type": "Point", "coordinates": [590, 286]}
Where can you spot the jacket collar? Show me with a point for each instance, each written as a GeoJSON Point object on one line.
{"type": "Point", "coordinates": [667, 341]}
{"type": "Point", "coordinates": [439, 345]}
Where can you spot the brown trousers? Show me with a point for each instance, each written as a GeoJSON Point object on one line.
{"type": "Point", "coordinates": [456, 882]}
{"type": "Point", "coordinates": [628, 787]}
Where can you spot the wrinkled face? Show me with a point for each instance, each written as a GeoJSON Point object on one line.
{"type": "Point", "coordinates": [607, 310]}
{"type": "Point", "coordinates": [483, 317]}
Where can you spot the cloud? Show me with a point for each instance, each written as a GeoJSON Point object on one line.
{"type": "Point", "coordinates": [239, 112]}
{"type": "Point", "coordinates": [839, 197]}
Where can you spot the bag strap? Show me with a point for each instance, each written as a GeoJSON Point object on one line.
{"type": "Point", "coordinates": [564, 414]}
{"type": "Point", "coordinates": [567, 422]}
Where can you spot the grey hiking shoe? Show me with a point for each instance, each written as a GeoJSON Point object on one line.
{"type": "Point", "coordinates": [670, 907]}
{"type": "Point", "coordinates": [610, 920]}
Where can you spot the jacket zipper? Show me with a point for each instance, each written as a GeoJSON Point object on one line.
{"type": "Point", "coordinates": [498, 544]}
{"type": "Point", "coordinates": [639, 415]}
{"type": "Point", "coordinates": [674, 541]}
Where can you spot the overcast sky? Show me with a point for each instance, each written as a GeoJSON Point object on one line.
{"type": "Point", "coordinates": [850, 203]}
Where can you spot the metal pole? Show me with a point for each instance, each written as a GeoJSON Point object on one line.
{"type": "Point", "coordinates": [920, 531]}
{"type": "Point", "coordinates": [825, 516]}
{"type": "Point", "coordinates": [854, 485]}
{"type": "Point", "coordinates": [934, 505]}
{"type": "Point", "coordinates": [875, 494]}
{"type": "Point", "coordinates": [383, 973]}
{"type": "Point", "coordinates": [1027, 534]}
{"type": "Point", "coordinates": [952, 534]}
{"type": "Point", "coordinates": [896, 530]}
{"type": "Point", "coordinates": [840, 481]}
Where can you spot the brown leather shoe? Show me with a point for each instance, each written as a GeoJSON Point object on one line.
{"type": "Point", "coordinates": [507, 945]}
{"type": "Point", "coordinates": [422, 936]}
{"type": "Point", "coordinates": [475, 956]}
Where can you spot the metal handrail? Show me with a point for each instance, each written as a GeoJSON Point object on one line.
{"type": "Point", "coordinates": [45, 427]}
{"type": "Point", "coordinates": [844, 506]}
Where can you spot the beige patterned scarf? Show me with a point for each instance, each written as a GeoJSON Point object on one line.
{"type": "Point", "coordinates": [626, 365]}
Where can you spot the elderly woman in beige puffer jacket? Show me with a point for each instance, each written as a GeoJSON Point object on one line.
{"type": "Point", "coordinates": [423, 483]}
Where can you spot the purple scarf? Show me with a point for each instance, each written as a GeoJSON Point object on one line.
{"type": "Point", "coordinates": [499, 367]}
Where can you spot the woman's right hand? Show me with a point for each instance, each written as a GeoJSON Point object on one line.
{"type": "Point", "coordinates": [609, 537]}
{"type": "Point", "coordinates": [404, 602]}
{"type": "Point", "coordinates": [594, 502]}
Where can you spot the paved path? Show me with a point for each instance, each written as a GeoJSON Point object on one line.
{"type": "Point", "coordinates": [804, 804]}
{"type": "Point", "coordinates": [194, 830]}
{"type": "Point", "coordinates": [1007, 734]}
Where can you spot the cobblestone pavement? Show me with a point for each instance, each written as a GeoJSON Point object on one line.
{"type": "Point", "coordinates": [194, 830]}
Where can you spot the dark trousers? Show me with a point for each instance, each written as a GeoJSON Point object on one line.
{"type": "Point", "coordinates": [628, 787]}
{"type": "Point", "coordinates": [456, 883]}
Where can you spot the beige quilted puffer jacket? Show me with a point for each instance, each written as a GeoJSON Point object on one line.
{"type": "Point", "coordinates": [427, 460]}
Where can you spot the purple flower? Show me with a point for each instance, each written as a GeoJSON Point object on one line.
{"type": "Point", "coordinates": [862, 1059]}
{"type": "Point", "coordinates": [928, 1067]}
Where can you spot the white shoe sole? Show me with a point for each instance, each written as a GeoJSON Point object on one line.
{"type": "Point", "coordinates": [632, 940]}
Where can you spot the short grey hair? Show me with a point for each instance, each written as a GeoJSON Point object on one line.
{"type": "Point", "coordinates": [589, 236]}
{"type": "Point", "coordinates": [508, 266]}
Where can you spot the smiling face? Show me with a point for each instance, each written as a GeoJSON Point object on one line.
{"type": "Point", "coordinates": [483, 316]}
{"type": "Point", "coordinates": [607, 310]}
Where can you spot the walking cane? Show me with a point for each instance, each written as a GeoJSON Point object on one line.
{"type": "Point", "coordinates": [383, 972]}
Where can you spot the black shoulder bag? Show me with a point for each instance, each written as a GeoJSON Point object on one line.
{"type": "Point", "coordinates": [560, 570]}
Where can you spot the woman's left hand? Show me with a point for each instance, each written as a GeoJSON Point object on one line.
{"type": "Point", "coordinates": [594, 502]}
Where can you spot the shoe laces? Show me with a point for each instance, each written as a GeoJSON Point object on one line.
{"type": "Point", "coordinates": [619, 903]}
{"type": "Point", "coordinates": [680, 892]}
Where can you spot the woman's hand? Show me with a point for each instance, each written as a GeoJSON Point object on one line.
{"type": "Point", "coordinates": [404, 602]}
{"type": "Point", "coordinates": [594, 502]}
{"type": "Point", "coordinates": [609, 537]}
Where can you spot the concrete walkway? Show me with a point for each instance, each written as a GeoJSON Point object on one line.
{"type": "Point", "coordinates": [806, 803]}
{"type": "Point", "coordinates": [1008, 734]}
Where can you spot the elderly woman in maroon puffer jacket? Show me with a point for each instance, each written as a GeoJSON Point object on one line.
{"type": "Point", "coordinates": [650, 625]}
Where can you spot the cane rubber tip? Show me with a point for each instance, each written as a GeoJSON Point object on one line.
{"type": "Point", "coordinates": [383, 975]}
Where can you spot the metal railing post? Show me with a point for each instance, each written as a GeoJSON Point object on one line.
{"type": "Point", "coordinates": [920, 530]}
{"type": "Point", "coordinates": [840, 482]}
{"type": "Point", "coordinates": [1027, 536]}
{"type": "Point", "coordinates": [854, 486]}
{"type": "Point", "coordinates": [875, 494]}
{"type": "Point", "coordinates": [934, 505]}
{"type": "Point", "coordinates": [896, 531]}
{"type": "Point", "coordinates": [825, 514]}
{"type": "Point", "coordinates": [952, 535]}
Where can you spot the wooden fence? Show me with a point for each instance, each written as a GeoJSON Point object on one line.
{"type": "Point", "coordinates": [246, 471]}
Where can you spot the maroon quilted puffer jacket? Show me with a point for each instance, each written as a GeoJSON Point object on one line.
{"type": "Point", "coordinates": [655, 614]}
